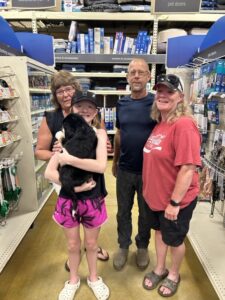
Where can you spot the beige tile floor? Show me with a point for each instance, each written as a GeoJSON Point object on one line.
{"type": "Point", "coordinates": [36, 270]}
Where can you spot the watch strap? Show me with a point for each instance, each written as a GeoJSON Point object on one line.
{"type": "Point", "coordinates": [174, 203]}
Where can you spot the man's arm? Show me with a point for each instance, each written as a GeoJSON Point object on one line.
{"type": "Point", "coordinates": [116, 152]}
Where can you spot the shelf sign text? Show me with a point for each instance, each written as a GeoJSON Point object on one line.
{"type": "Point", "coordinates": [33, 4]}
{"type": "Point", "coordinates": [175, 6]}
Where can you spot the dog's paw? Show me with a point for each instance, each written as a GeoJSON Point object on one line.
{"type": "Point", "coordinates": [59, 135]}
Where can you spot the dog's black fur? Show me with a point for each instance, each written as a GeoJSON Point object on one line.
{"type": "Point", "coordinates": [80, 141]}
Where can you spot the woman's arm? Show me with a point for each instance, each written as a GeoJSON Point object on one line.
{"type": "Point", "coordinates": [44, 140]}
{"type": "Point", "coordinates": [97, 165]}
{"type": "Point", "coordinates": [183, 181]}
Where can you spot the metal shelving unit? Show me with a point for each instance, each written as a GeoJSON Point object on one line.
{"type": "Point", "coordinates": [32, 199]}
{"type": "Point", "coordinates": [207, 237]}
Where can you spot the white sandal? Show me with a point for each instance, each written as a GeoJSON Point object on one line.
{"type": "Point", "coordinates": [99, 288]}
{"type": "Point", "coordinates": [69, 291]}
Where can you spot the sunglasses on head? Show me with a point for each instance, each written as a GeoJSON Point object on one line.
{"type": "Point", "coordinates": [172, 79]}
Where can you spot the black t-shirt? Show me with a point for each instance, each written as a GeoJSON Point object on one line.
{"type": "Point", "coordinates": [133, 120]}
{"type": "Point", "coordinates": [54, 120]}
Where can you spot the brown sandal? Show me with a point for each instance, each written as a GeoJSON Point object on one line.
{"type": "Point", "coordinates": [154, 278]}
{"type": "Point", "coordinates": [169, 284]}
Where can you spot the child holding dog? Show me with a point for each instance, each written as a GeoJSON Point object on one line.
{"type": "Point", "coordinates": [91, 210]}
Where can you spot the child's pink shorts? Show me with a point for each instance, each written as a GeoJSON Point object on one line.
{"type": "Point", "coordinates": [91, 213]}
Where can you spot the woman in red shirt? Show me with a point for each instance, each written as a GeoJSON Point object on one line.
{"type": "Point", "coordinates": [170, 180]}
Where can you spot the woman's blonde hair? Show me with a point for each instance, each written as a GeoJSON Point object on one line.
{"type": "Point", "coordinates": [96, 122]}
{"type": "Point", "coordinates": [182, 109]}
{"type": "Point", "coordinates": [62, 78]}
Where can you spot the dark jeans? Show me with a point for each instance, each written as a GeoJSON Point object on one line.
{"type": "Point", "coordinates": [127, 184]}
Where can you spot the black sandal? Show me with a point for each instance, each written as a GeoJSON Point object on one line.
{"type": "Point", "coordinates": [67, 268]}
{"type": "Point", "coordinates": [100, 255]}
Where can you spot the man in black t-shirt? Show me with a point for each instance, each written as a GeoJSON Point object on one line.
{"type": "Point", "coordinates": [134, 126]}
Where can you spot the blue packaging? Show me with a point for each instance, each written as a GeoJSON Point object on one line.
{"type": "Point", "coordinates": [219, 75]}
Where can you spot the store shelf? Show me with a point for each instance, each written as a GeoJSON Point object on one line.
{"type": "Point", "coordinates": [107, 16]}
{"type": "Point", "coordinates": [107, 58]}
{"type": "Point", "coordinates": [99, 74]}
{"type": "Point", "coordinates": [48, 15]}
{"type": "Point", "coordinates": [12, 233]}
{"type": "Point", "coordinates": [11, 142]}
{"type": "Point", "coordinates": [111, 131]}
{"type": "Point", "coordinates": [45, 197]}
{"type": "Point", "coordinates": [199, 17]}
{"type": "Point", "coordinates": [10, 120]}
{"type": "Point", "coordinates": [39, 91]}
{"type": "Point", "coordinates": [30, 202]}
{"type": "Point", "coordinates": [110, 92]}
{"type": "Point", "coordinates": [39, 111]}
{"type": "Point", "coordinates": [10, 98]}
{"type": "Point", "coordinates": [211, 53]}
{"type": "Point", "coordinates": [39, 165]}
{"type": "Point", "coordinates": [34, 142]}
{"type": "Point", "coordinates": [15, 229]}
{"type": "Point", "coordinates": [207, 236]}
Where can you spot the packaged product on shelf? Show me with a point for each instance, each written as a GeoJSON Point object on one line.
{"type": "Point", "coordinates": [213, 111]}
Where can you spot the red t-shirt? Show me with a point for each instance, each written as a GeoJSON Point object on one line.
{"type": "Point", "coordinates": [170, 146]}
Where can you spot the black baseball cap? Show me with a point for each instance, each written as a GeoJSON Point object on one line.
{"type": "Point", "coordinates": [171, 81]}
{"type": "Point", "coordinates": [84, 96]}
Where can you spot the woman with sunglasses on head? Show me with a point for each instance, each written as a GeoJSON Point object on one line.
{"type": "Point", "coordinates": [63, 87]}
{"type": "Point", "coordinates": [170, 180]}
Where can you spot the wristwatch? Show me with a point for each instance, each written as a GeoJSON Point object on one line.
{"type": "Point", "coordinates": [174, 203]}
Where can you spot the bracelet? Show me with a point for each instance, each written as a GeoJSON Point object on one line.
{"type": "Point", "coordinates": [174, 203]}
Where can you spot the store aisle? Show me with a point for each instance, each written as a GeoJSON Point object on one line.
{"type": "Point", "coordinates": [36, 270]}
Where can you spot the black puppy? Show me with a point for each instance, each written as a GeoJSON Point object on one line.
{"type": "Point", "coordinates": [79, 140]}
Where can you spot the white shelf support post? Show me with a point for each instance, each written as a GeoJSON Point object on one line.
{"type": "Point", "coordinates": [34, 23]}
{"type": "Point", "coordinates": [154, 48]}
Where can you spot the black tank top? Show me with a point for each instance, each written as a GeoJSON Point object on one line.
{"type": "Point", "coordinates": [54, 120]}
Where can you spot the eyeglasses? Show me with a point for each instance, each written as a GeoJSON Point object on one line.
{"type": "Point", "coordinates": [139, 73]}
{"type": "Point", "coordinates": [67, 90]}
{"type": "Point", "coordinates": [172, 79]}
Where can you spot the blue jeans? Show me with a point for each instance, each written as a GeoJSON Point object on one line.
{"type": "Point", "coordinates": [127, 184]}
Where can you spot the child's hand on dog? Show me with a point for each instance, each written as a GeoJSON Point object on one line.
{"type": "Point", "coordinates": [57, 147]}
{"type": "Point", "coordinates": [86, 186]}
{"type": "Point", "coordinates": [64, 157]}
